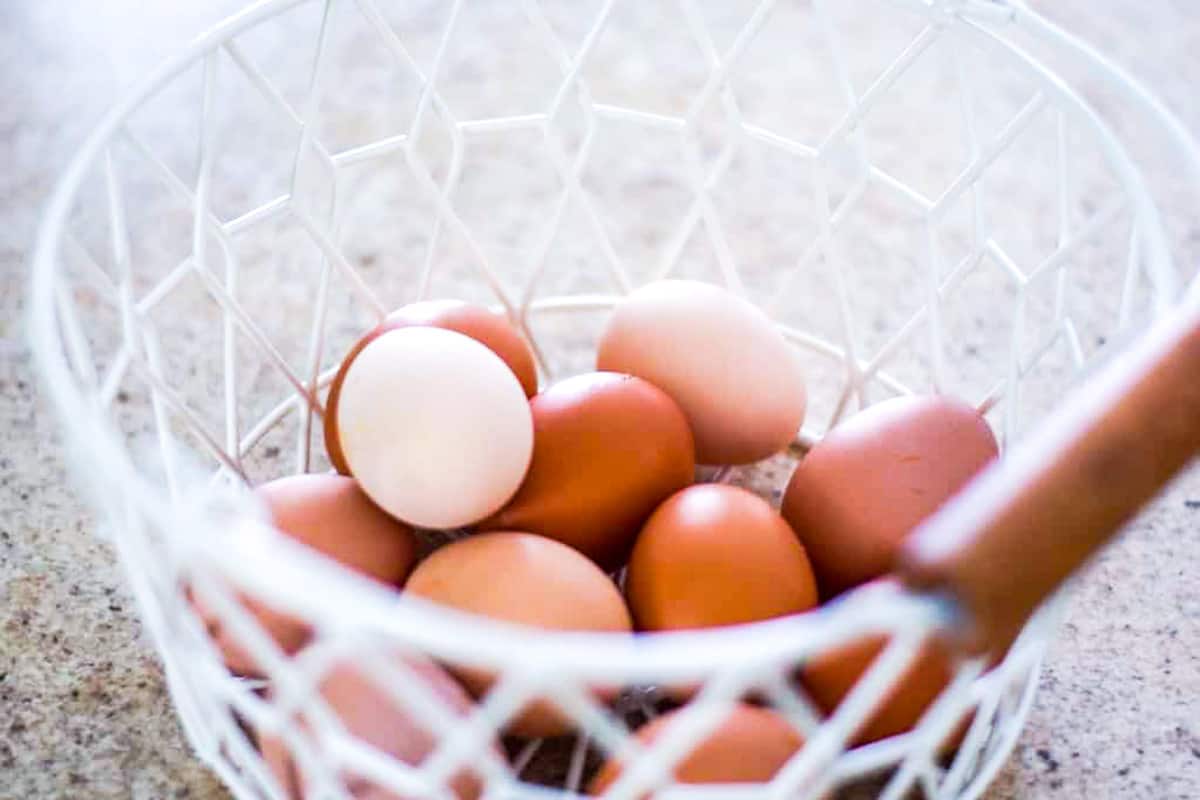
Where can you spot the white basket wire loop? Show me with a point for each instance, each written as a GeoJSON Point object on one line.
{"type": "Point", "coordinates": [188, 532]}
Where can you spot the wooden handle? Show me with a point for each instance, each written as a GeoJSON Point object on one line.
{"type": "Point", "coordinates": [1025, 524]}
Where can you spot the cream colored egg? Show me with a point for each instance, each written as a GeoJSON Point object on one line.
{"type": "Point", "coordinates": [435, 427]}
{"type": "Point", "coordinates": [719, 357]}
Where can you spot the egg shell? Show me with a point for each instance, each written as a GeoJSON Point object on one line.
{"type": "Point", "coordinates": [859, 491]}
{"type": "Point", "coordinates": [608, 448]}
{"type": "Point", "coordinates": [330, 514]}
{"type": "Point", "coordinates": [734, 375]}
{"type": "Point", "coordinates": [525, 579]}
{"type": "Point", "coordinates": [477, 322]}
{"type": "Point", "coordinates": [830, 675]}
{"type": "Point", "coordinates": [715, 555]}
{"type": "Point", "coordinates": [434, 426]}
{"type": "Point", "coordinates": [749, 746]}
{"type": "Point", "coordinates": [372, 715]}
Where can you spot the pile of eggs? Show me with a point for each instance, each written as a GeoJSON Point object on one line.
{"type": "Point", "coordinates": [435, 422]}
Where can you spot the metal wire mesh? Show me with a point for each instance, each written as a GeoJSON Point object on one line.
{"type": "Point", "coordinates": [185, 310]}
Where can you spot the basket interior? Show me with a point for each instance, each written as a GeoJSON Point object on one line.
{"type": "Point", "coordinates": [839, 164]}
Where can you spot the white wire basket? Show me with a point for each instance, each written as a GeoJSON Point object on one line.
{"type": "Point", "coordinates": [911, 189]}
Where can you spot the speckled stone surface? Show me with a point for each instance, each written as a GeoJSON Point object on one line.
{"type": "Point", "coordinates": [83, 709]}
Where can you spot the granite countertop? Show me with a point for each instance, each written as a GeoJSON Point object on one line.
{"type": "Point", "coordinates": [83, 709]}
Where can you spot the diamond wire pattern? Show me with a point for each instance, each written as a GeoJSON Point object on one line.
{"type": "Point", "coordinates": [702, 208]}
{"type": "Point", "coordinates": [811, 770]}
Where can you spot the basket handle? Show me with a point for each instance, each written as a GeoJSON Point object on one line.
{"type": "Point", "coordinates": [1006, 542]}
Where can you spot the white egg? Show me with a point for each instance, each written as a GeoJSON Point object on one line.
{"type": "Point", "coordinates": [435, 427]}
{"type": "Point", "coordinates": [719, 357]}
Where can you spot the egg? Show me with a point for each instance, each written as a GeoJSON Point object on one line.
{"type": "Point", "coordinates": [731, 371]}
{"type": "Point", "coordinates": [330, 514]}
{"type": "Point", "coordinates": [434, 426]}
{"type": "Point", "coordinates": [750, 746]}
{"type": "Point", "coordinates": [714, 555]}
{"type": "Point", "coordinates": [873, 478]}
{"type": "Point", "coordinates": [607, 449]}
{"type": "Point", "coordinates": [525, 579]}
{"type": "Point", "coordinates": [829, 677]}
{"type": "Point", "coordinates": [477, 322]}
{"type": "Point", "coordinates": [374, 716]}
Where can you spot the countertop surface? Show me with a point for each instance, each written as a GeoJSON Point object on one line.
{"type": "Point", "coordinates": [83, 707]}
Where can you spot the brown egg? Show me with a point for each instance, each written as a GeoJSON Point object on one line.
{"type": "Point", "coordinates": [750, 746]}
{"type": "Point", "coordinates": [716, 555]}
{"type": "Point", "coordinates": [332, 515]}
{"type": "Point", "coordinates": [722, 359]}
{"type": "Point", "coordinates": [831, 675]}
{"type": "Point", "coordinates": [471, 320]}
{"type": "Point", "coordinates": [374, 716]}
{"type": "Point", "coordinates": [607, 449]}
{"type": "Point", "coordinates": [526, 579]}
{"type": "Point", "coordinates": [872, 479]}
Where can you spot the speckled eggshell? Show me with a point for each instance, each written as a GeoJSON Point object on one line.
{"type": "Point", "coordinates": [608, 448]}
{"type": "Point", "coordinates": [750, 746]}
{"type": "Point", "coordinates": [872, 479]}
{"type": "Point", "coordinates": [330, 514]}
{"type": "Point", "coordinates": [373, 716]}
{"type": "Point", "coordinates": [734, 375]}
{"type": "Point", "coordinates": [482, 325]}
{"type": "Point", "coordinates": [529, 580]}
{"type": "Point", "coordinates": [714, 555]}
{"type": "Point", "coordinates": [434, 426]}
